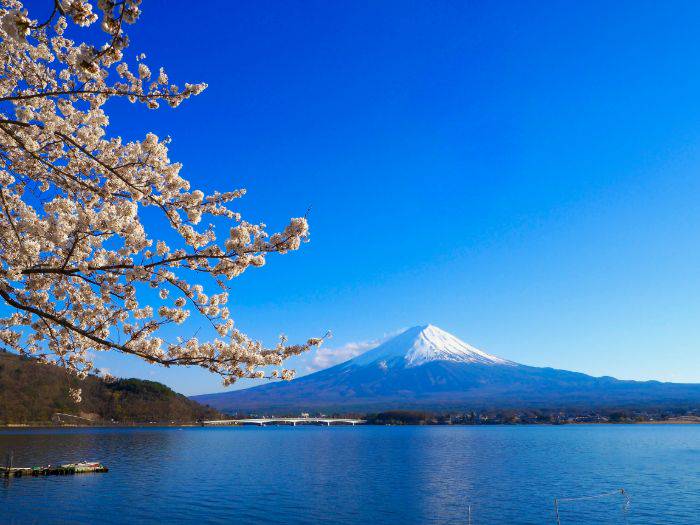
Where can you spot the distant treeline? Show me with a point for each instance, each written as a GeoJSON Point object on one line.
{"type": "Point", "coordinates": [34, 393]}
{"type": "Point", "coordinates": [402, 417]}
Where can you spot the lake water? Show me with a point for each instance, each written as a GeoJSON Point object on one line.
{"type": "Point", "coordinates": [377, 475]}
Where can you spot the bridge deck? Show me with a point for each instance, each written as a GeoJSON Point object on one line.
{"type": "Point", "coordinates": [285, 421]}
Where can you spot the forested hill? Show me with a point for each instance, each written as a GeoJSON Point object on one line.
{"type": "Point", "coordinates": [35, 393]}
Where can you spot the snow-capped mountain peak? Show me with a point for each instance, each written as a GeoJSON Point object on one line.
{"type": "Point", "coordinates": [423, 344]}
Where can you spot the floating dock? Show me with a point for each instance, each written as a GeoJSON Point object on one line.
{"type": "Point", "coordinates": [50, 470]}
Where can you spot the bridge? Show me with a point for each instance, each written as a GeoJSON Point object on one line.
{"type": "Point", "coordinates": [294, 421]}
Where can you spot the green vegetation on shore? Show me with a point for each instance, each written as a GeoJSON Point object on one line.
{"type": "Point", "coordinates": [36, 393]}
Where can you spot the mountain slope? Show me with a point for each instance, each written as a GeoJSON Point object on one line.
{"type": "Point", "coordinates": [31, 392]}
{"type": "Point", "coordinates": [425, 367]}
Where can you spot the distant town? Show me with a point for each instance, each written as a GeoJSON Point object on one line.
{"type": "Point", "coordinates": [509, 417]}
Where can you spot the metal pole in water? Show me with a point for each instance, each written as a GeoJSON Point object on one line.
{"type": "Point", "coordinates": [469, 509]}
{"type": "Point", "coordinates": [556, 510]}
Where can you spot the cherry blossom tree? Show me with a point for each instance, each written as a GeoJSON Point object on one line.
{"type": "Point", "coordinates": [79, 272]}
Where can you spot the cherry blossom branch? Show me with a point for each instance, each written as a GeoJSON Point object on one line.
{"type": "Point", "coordinates": [76, 261]}
{"type": "Point", "coordinates": [107, 92]}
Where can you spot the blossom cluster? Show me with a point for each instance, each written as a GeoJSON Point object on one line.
{"type": "Point", "coordinates": [77, 264]}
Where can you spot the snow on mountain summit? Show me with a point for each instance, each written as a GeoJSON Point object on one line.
{"type": "Point", "coordinates": [423, 344]}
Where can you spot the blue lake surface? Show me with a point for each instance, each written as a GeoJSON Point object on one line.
{"type": "Point", "coordinates": [377, 475]}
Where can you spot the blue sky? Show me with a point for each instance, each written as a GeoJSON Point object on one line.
{"type": "Point", "coordinates": [523, 175]}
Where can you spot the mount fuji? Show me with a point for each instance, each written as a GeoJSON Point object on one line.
{"type": "Point", "coordinates": [426, 367]}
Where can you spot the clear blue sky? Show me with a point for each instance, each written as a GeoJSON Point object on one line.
{"type": "Point", "coordinates": [523, 175]}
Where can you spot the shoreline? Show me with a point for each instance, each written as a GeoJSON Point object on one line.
{"type": "Point", "coordinates": [15, 426]}
{"type": "Point", "coordinates": [111, 425]}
